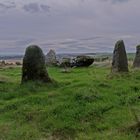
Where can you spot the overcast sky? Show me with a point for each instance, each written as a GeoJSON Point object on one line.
{"type": "Point", "coordinates": [68, 25]}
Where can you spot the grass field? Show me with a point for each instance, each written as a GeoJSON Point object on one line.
{"type": "Point", "coordinates": [85, 104]}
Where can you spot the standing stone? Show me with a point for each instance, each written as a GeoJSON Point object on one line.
{"type": "Point", "coordinates": [120, 63]}
{"type": "Point", "coordinates": [34, 66]}
{"type": "Point", "coordinates": [136, 63]}
{"type": "Point", "coordinates": [51, 58]}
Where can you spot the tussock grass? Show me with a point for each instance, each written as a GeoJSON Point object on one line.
{"type": "Point", "coordinates": [85, 104]}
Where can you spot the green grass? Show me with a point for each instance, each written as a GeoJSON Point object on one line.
{"type": "Point", "coordinates": [86, 104]}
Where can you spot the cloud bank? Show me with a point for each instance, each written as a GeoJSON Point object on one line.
{"type": "Point", "coordinates": [88, 25]}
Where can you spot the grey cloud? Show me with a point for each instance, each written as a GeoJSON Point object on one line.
{"type": "Point", "coordinates": [116, 1]}
{"type": "Point", "coordinates": [5, 7]}
{"type": "Point", "coordinates": [35, 8]}
{"type": "Point", "coordinates": [84, 25]}
{"type": "Point", "coordinates": [45, 7]}
{"type": "Point", "coordinates": [24, 42]}
{"type": "Point", "coordinates": [68, 42]}
{"type": "Point", "coordinates": [32, 7]}
{"type": "Point", "coordinates": [47, 44]}
{"type": "Point", "coordinates": [119, 1]}
{"type": "Point", "coordinates": [104, 44]}
{"type": "Point", "coordinates": [90, 38]}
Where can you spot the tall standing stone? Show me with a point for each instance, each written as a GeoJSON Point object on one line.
{"type": "Point", "coordinates": [120, 62]}
{"type": "Point", "coordinates": [34, 66]}
{"type": "Point", "coordinates": [51, 58]}
{"type": "Point", "coordinates": [136, 63]}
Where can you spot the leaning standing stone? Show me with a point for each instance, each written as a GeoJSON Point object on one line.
{"type": "Point", "coordinates": [136, 63]}
{"type": "Point", "coordinates": [51, 58]}
{"type": "Point", "coordinates": [34, 66]}
{"type": "Point", "coordinates": [120, 63]}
